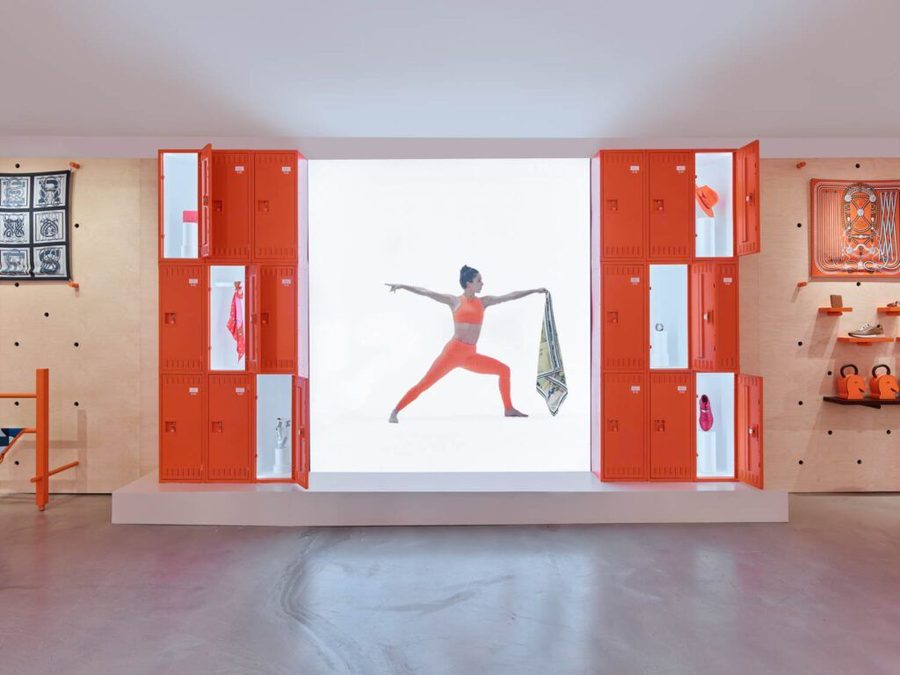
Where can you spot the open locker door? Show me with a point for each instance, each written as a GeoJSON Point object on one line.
{"type": "Point", "coordinates": [746, 210]}
{"type": "Point", "coordinates": [252, 335]}
{"type": "Point", "coordinates": [301, 433]}
{"type": "Point", "coordinates": [749, 429]}
{"type": "Point", "coordinates": [205, 224]}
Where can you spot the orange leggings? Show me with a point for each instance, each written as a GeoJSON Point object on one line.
{"type": "Point", "coordinates": [458, 354]}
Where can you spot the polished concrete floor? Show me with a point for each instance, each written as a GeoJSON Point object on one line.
{"type": "Point", "coordinates": [819, 595]}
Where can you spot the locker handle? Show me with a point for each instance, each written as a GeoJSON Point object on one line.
{"type": "Point", "coordinates": [612, 425]}
{"type": "Point", "coordinates": [660, 425]}
{"type": "Point", "coordinates": [613, 317]}
{"type": "Point", "coordinates": [264, 318]}
{"type": "Point", "coordinates": [216, 427]}
{"type": "Point", "coordinates": [612, 204]}
{"type": "Point", "coordinates": [659, 204]}
{"type": "Point", "coordinates": [218, 206]}
{"type": "Point", "coordinates": [170, 427]}
{"type": "Point", "coordinates": [708, 316]}
{"type": "Point", "coordinates": [262, 205]}
{"type": "Point", "coordinates": [170, 318]}
{"type": "Point", "coordinates": [753, 431]}
{"type": "Point", "coordinates": [750, 198]}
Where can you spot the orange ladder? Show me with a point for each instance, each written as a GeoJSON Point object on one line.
{"type": "Point", "coordinates": [41, 430]}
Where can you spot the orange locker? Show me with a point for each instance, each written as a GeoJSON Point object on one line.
{"type": "Point", "coordinates": [301, 437]}
{"type": "Point", "coordinates": [275, 212]}
{"type": "Point", "coordinates": [625, 339]}
{"type": "Point", "coordinates": [231, 205]}
{"type": "Point", "coordinates": [746, 183]}
{"type": "Point", "coordinates": [671, 426]}
{"type": "Point", "coordinates": [749, 432]}
{"type": "Point", "coordinates": [230, 445]}
{"type": "Point", "coordinates": [205, 224]}
{"type": "Point", "coordinates": [714, 316]}
{"type": "Point", "coordinates": [181, 428]}
{"type": "Point", "coordinates": [623, 430]}
{"type": "Point", "coordinates": [671, 206]}
{"type": "Point", "coordinates": [277, 319]}
{"type": "Point", "coordinates": [182, 338]}
{"type": "Point", "coordinates": [623, 186]}
{"type": "Point", "coordinates": [725, 318]}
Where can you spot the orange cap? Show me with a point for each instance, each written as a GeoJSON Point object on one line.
{"type": "Point", "coordinates": [707, 198]}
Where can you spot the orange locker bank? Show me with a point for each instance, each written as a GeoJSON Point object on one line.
{"type": "Point", "coordinates": [674, 403]}
{"type": "Point", "coordinates": [232, 319]}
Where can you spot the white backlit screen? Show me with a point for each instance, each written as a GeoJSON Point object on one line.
{"type": "Point", "coordinates": [524, 224]}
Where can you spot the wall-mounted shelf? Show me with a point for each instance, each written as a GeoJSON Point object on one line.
{"type": "Point", "coordinates": [834, 311]}
{"type": "Point", "coordinates": [893, 311]}
{"type": "Point", "coordinates": [865, 402]}
{"type": "Point", "coordinates": [864, 340]}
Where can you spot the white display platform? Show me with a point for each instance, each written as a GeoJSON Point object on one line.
{"type": "Point", "coordinates": [336, 499]}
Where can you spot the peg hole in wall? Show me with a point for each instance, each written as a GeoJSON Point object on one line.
{"type": "Point", "coordinates": [16, 404]}
{"type": "Point", "coordinates": [18, 165]}
{"type": "Point", "coordinates": [16, 284]}
{"type": "Point", "coordinates": [830, 432]}
{"type": "Point", "coordinates": [77, 225]}
{"type": "Point", "coordinates": [75, 404]}
{"type": "Point", "coordinates": [76, 344]}
{"type": "Point", "coordinates": [800, 462]}
{"type": "Point", "coordinates": [830, 372]}
{"type": "Point", "coordinates": [859, 461]}
{"type": "Point", "coordinates": [16, 462]}
{"type": "Point", "coordinates": [46, 314]}
{"type": "Point", "coordinates": [16, 344]}
{"type": "Point", "coordinates": [799, 402]}
{"type": "Point", "coordinates": [799, 224]}
{"type": "Point", "coordinates": [859, 283]}
{"type": "Point", "coordinates": [799, 343]}
{"type": "Point", "coordinates": [858, 165]}
{"type": "Point", "coordinates": [887, 431]}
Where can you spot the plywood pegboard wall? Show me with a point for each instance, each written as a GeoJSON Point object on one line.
{"type": "Point", "coordinates": [99, 342]}
{"type": "Point", "coordinates": [811, 445]}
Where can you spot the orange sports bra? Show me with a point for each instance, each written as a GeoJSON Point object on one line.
{"type": "Point", "coordinates": [470, 310]}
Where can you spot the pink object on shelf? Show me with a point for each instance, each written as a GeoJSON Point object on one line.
{"type": "Point", "coordinates": [189, 216]}
{"type": "Point", "coordinates": [706, 416]}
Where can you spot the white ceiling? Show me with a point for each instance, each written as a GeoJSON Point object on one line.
{"type": "Point", "coordinates": [450, 69]}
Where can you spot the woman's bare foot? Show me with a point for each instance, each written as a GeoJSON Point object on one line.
{"type": "Point", "coordinates": [512, 412]}
{"type": "Point", "coordinates": [393, 418]}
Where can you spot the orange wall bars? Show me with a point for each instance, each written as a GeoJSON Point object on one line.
{"type": "Point", "coordinates": [651, 215]}
{"type": "Point", "coordinates": [233, 407]}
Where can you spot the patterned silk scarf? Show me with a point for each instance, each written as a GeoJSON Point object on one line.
{"type": "Point", "coordinates": [551, 376]}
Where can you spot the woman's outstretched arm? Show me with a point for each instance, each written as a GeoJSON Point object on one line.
{"type": "Point", "coordinates": [444, 298]}
{"type": "Point", "coordinates": [489, 300]}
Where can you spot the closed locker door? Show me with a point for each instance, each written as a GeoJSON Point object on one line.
{"type": "Point", "coordinates": [746, 181]}
{"type": "Point", "coordinates": [623, 432]}
{"type": "Point", "coordinates": [749, 431]}
{"type": "Point", "coordinates": [623, 186]}
{"type": "Point", "coordinates": [230, 446]}
{"type": "Point", "coordinates": [671, 426]}
{"type": "Point", "coordinates": [625, 337]}
{"type": "Point", "coordinates": [277, 319]}
{"type": "Point", "coordinates": [231, 205]}
{"type": "Point", "coordinates": [727, 348]}
{"type": "Point", "coordinates": [181, 428]}
{"type": "Point", "coordinates": [182, 342]}
{"type": "Point", "coordinates": [703, 316]}
{"type": "Point", "coordinates": [275, 212]}
{"type": "Point", "coordinates": [671, 205]}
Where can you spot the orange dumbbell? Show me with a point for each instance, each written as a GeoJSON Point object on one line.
{"type": "Point", "coordinates": [851, 387]}
{"type": "Point", "coordinates": [883, 387]}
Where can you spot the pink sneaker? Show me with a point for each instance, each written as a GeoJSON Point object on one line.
{"type": "Point", "coordinates": [706, 416]}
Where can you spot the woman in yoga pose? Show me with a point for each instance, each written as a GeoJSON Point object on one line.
{"type": "Point", "coordinates": [468, 315]}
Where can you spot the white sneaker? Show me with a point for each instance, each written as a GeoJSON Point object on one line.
{"type": "Point", "coordinates": [867, 330]}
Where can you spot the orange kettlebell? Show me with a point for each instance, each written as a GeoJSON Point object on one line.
{"type": "Point", "coordinates": [851, 387]}
{"type": "Point", "coordinates": [883, 387]}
